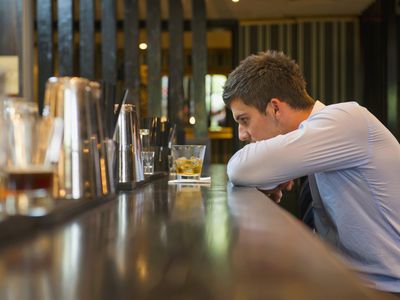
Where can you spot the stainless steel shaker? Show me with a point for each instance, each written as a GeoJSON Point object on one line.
{"type": "Point", "coordinates": [128, 153]}
{"type": "Point", "coordinates": [82, 170]}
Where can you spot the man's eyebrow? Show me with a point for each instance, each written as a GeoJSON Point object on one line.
{"type": "Point", "coordinates": [239, 116]}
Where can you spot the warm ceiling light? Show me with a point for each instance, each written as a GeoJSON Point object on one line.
{"type": "Point", "coordinates": [143, 46]}
{"type": "Point", "coordinates": [235, 0]}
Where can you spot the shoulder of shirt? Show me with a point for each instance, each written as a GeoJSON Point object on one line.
{"type": "Point", "coordinates": [340, 113]}
{"type": "Point", "coordinates": [350, 106]}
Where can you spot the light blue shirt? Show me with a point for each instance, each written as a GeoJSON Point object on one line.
{"type": "Point", "coordinates": [356, 162]}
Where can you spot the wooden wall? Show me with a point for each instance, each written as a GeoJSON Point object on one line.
{"type": "Point", "coordinates": [327, 51]}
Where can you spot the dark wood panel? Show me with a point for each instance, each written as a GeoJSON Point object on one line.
{"type": "Point", "coordinates": [131, 51]}
{"type": "Point", "coordinates": [350, 84]}
{"type": "Point", "coordinates": [45, 46]}
{"type": "Point", "coordinates": [65, 37]}
{"type": "Point", "coordinates": [392, 65]}
{"type": "Point", "coordinates": [329, 52]}
{"type": "Point", "coordinates": [199, 63]}
{"type": "Point", "coordinates": [307, 55]}
{"type": "Point", "coordinates": [109, 44]}
{"type": "Point", "coordinates": [86, 42]}
{"type": "Point", "coordinates": [154, 57]}
{"type": "Point", "coordinates": [254, 39]}
{"type": "Point", "coordinates": [19, 42]}
{"type": "Point", "coordinates": [176, 66]}
{"type": "Point", "coordinates": [8, 25]}
{"type": "Point", "coordinates": [275, 37]}
{"type": "Point", "coordinates": [373, 41]}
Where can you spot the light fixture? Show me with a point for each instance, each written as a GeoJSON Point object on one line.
{"type": "Point", "coordinates": [143, 46]}
{"type": "Point", "coordinates": [235, 0]}
{"type": "Point", "coordinates": [192, 120]}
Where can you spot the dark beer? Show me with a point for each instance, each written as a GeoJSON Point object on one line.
{"type": "Point", "coordinates": [29, 179]}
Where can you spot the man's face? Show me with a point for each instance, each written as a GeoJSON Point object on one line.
{"type": "Point", "coordinates": [253, 124]}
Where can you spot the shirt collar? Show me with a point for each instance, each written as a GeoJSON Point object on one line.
{"type": "Point", "coordinates": [318, 106]}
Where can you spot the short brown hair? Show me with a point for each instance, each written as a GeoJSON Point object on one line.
{"type": "Point", "coordinates": [266, 75]}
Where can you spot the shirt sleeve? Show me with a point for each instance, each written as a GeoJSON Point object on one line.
{"type": "Point", "coordinates": [335, 138]}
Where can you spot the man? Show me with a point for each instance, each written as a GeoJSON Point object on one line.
{"type": "Point", "coordinates": [352, 160]}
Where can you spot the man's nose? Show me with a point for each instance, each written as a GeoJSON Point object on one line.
{"type": "Point", "coordinates": [243, 134]}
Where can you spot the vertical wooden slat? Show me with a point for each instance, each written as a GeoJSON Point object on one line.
{"type": "Point", "coordinates": [8, 25]}
{"type": "Point", "coordinates": [19, 37]}
{"type": "Point", "coordinates": [253, 39]}
{"type": "Point", "coordinates": [65, 37]}
{"type": "Point", "coordinates": [235, 45]}
{"type": "Point", "coordinates": [289, 40]}
{"type": "Point", "coordinates": [321, 62]}
{"type": "Point", "coordinates": [131, 52]}
{"type": "Point", "coordinates": [314, 61]}
{"type": "Point", "coordinates": [176, 67]}
{"type": "Point", "coordinates": [241, 45]}
{"type": "Point", "coordinates": [294, 41]}
{"type": "Point", "coordinates": [392, 65]}
{"type": "Point", "coordinates": [263, 37]}
{"type": "Point", "coordinates": [154, 57]}
{"type": "Point", "coordinates": [86, 42]}
{"type": "Point", "coordinates": [109, 44]}
{"type": "Point", "coordinates": [335, 60]}
{"type": "Point", "coordinates": [300, 45]}
{"type": "Point", "coordinates": [199, 63]}
{"type": "Point", "coordinates": [281, 41]}
{"type": "Point", "coordinates": [350, 85]}
{"type": "Point", "coordinates": [26, 25]}
{"type": "Point", "coordinates": [329, 53]}
{"type": "Point", "coordinates": [268, 36]}
{"type": "Point", "coordinates": [274, 36]}
{"type": "Point", "coordinates": [342, 60]}
{"type": "Point", "coordinates": [357, 63]}
{"type": "Point", "coordinates": [45, 45]}
{"type": "Point", "coordinates": [307, 55]}
{"type": "Point", "coordinates": [246, 34]}
{"type": "Point", "coordinates": [260, 45]}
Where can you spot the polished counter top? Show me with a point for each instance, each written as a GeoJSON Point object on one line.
{"type": "Point", "coordinates": [164, 241]}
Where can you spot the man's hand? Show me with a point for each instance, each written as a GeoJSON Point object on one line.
{"type": "Point", "coordinates": [276, 193]}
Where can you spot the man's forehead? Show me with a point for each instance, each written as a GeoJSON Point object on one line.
{"type": "Point", "coordinates": [238, 107]}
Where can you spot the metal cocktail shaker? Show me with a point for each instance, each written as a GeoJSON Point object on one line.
{"type": "Point", "coordinates": [83, 168]}
{"type": "Point", "coordinates": [128, 153]}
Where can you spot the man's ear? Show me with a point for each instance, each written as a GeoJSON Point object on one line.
{"type": "Point", "coordinates": [275, 107]}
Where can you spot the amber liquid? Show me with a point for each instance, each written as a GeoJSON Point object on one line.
{"type": "Point", "coordinates": [31, 179]}
{"type": "Point", "coordinates": [188, 167]}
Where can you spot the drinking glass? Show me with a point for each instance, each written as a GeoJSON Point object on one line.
{"type": "Point", "coordinates": [188, 160]}
{"type": "Point", "coordinates": [32, 147]}
{"type": "Point", "coordinates": [148, 162]}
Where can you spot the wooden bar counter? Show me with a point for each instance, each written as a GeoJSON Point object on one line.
{"type": "Point", "coordinates": [164, 241]}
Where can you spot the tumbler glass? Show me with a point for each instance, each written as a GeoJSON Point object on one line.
{"type": "Point", "coordinates": [188, 160]}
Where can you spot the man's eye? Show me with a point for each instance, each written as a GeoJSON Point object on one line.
{"type": "Point", "coordinates": [243, 121]}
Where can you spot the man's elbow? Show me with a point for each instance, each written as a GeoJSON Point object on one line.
{"type": "Point", "coordinates": [235, 175]}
